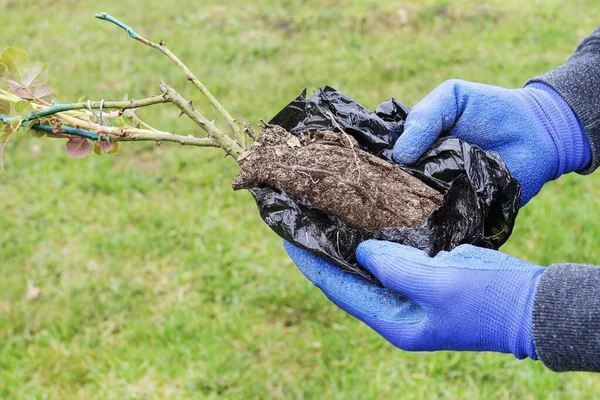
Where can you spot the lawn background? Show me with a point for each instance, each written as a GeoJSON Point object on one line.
{"type": "Point", "coordinates": [158, 281]}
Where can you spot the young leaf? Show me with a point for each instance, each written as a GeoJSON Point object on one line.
{"type": "Point", "coordinates": [23, 108]}
{"type": "Point", "coordinates": [13, 126]}
{"type": "Point", "coordinates": [44, 93]}
{"type": "Point", "coordinates": [115, 148]}
{"type": "Point", "coordinates": [16, 60]}
{"type": "Point", "coordinates": [78, 147]}
{"type": "Point", "coordinates": [105, 145]}
{"type": "Point", "coordinates": [56, 125]}
{"type": "Point", "coordinates": [36, 75]}
{"type": "Point", "coordinates": [97, 149]}
{"type": "Point", "coordinates": [2, 70]}
{"type": "Point", "coordinates": [32, 132]}
{"type": "Point", "coordinates": [4, 107]}
{"type": "Point", "coordinates": [131, 117]}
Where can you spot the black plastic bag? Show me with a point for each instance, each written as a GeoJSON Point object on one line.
{"type": "Point", "coordinates": [481, 198]}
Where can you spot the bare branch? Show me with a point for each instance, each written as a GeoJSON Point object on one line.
{"type": "Point", "coordinates": [128, 135]}
{"type": "Point", "coordinates": [169, 137]}
{"type": "Point", "coordinates": [225, 142]}
{"type": "Point", "coordinates": [238, 135]}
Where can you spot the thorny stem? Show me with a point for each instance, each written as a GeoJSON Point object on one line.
{"type": "Point", "coordinates": [77, 116]}
{"type": "Point", "coordinates": [238, 135]}
{"type": "Point", "coordinates": [132, 135]}
{"type": "Point", "coordinates": [58, 108]}
{"type": "Point", "coordinates": [169, 137]}
{"type": "Point", "coordinates": [229, 145]}
{"type": "Point", "coordinates": [114, 133]}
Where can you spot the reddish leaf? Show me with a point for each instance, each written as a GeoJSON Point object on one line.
{"type": "Point", "coordinates": [19, 90]}
{"type": "Point", "coordinates": [44, 93]}
{"type": "Point", "coordinates": [105, 146]}
{"type": "Point", "coordinates": [56, 126]}
{"type": "Point", "coordinates": [78, 147]}
{"type": "Point", "coordinates": [36, 75]}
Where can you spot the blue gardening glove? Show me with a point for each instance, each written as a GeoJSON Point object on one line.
{"type": "Point", "coordinates": [533, 129]}
{"type": "Point", "coordinates": [468, 299]}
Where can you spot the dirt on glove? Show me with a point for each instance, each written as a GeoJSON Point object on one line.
{"type": "Point", "coordinates": [330, 170]}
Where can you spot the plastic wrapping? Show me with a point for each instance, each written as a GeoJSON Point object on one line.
{"type": "Point", "coordinates": [481, 198]}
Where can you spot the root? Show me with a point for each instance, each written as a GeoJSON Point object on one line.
{"type": "Point", "coordinates": [371, 195]}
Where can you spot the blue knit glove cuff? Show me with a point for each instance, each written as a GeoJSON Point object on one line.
{"type": "Point", "coordinates": [563, 127]}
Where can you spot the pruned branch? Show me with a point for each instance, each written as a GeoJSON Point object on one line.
{"type": "Point", "coordinates": [29, 104]}
{"type": "Point", "coordinates": [238, 135]}
{"type": "Point", "coordinates": [129, 136]}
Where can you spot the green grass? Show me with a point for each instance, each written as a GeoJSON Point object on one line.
{"type": "Point", "coordinates": [158, 281]}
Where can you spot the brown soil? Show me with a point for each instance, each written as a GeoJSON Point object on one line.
{"type": "Point", "coordinates": [330, 170]}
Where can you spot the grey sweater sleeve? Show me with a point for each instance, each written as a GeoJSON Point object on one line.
{"type": "Point", "coordinates": [566, 318]}
{"type": "Point", "coordinates": [578, 82]}
{"type": "Point", "coordinates": [566, 309]}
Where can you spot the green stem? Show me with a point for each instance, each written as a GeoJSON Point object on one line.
{"type": "Point", "coordinates": [238, 135]}
{"type": "Point", "coordinates": [136, 136]}
{"type": "Point", "coordinates": [58, 108]}
{"type": "Point", "coordinates": [67, 130]}
{"type": "Point", "coordinates": [110, 18]}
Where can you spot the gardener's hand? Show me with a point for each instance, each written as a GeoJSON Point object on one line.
{"type": "Point", "coordinates": [533, 129]}
{"type": "Point", "coordinates": [469, 299]}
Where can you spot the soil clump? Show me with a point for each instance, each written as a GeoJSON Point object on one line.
{"type": "Point", "coordinates": [330, 170]}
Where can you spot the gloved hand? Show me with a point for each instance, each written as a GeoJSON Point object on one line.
{"type": "Point", "coordinates": [533, 129]}
{"type": "Point", "coordinates": [468, 299]}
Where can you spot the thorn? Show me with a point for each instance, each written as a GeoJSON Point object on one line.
{"type": "Point", "coordinates": [162, 43]}
{"type": "Point", "coordinates": [250, 133]}
{"type": "Point", "coordinates": [190, 104]}
{"type": "Point", "coordinates": [266, 124]}
{"type": "Point", "coordinates": [180, 114]}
